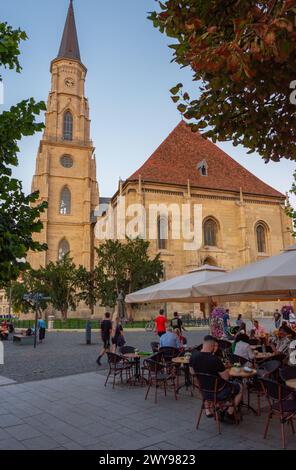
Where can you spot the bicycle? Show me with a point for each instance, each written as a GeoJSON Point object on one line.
{"type": "Point", "coordinates": [150, 326]}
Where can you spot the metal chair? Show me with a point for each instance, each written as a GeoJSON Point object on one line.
{"type": "Point", "coordinates": [280, 405]}
{"type": "Point", "coordinates": [117, 365]}
{"type": "Point", "coordinates": [154, 346]}
{"type": "Point", "coordinates": [254, 385]}
{"type": "Point", "coordinates": [287, 373]}
{"type": "Point", "coordinates": [158, 376]}
{"type": "Point", "coordinates": [210, 386]}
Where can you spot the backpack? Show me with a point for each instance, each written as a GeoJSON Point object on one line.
{"type": "Point", "coordinates": [175, 322]}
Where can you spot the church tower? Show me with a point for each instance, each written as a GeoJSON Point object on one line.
{"type": "Point", "coordinates": [66, 168]}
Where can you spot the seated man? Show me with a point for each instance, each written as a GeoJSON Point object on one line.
{"type": "Point", "coordinates": [206, 362]}
{"type": "Point", "coordinates": [169, 340]}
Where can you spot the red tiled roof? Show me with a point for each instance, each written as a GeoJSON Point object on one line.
{"type": "Point", "coordinates": [176, 159]}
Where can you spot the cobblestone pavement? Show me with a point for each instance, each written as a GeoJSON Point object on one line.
{"type": "Point", "coordinates": [78, 412]}
{"type": "Point", "coordinates": [66, 353]}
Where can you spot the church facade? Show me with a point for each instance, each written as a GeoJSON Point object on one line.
{"type": "Point", "coordinates": [242, 219]}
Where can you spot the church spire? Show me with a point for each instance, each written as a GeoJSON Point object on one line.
{"type": "Point", "coordinates": [69, 48]}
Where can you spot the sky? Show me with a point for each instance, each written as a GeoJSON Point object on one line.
{"type": "Point", "coordinates": [129, 77]}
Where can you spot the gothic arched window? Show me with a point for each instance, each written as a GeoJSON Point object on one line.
{"type": "Point", "coordinates": [68, 126]}
{"type": "Point", "coordinates": [162, 232]}
{"type": "Point", "coordinates": [210, 232]}
{"type": "Point", "coordinates": [64, 249]}
{"type": "Point", "coordinates": [65, 202]}
{"type": "Point", "coordinates": [261, 238]}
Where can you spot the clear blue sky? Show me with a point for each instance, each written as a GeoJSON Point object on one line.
{"type": "Point", "coordinates": [129, 77]}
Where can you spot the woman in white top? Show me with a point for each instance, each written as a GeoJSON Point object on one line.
{"type": "Point", "coordinates": [243, 348]}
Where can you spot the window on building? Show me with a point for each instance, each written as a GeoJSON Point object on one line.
{"type": "Point", "coordinates": [210, 232]}
{"type": "Point", "coordinates": [203, 168]}
{"type": "Point", "coordinates": [65, 202]}
{"type": "Point", "coordinates": [68, 126]}
{"type": "Point", "coordinates": [64, 249]}
{"type": "Point", "coordinates": [162, 232]}
{"type": "Point", "coordinates": [261, 238]}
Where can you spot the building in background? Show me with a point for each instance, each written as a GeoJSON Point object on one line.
{"type": "Point", "coordinates": [243, 219]}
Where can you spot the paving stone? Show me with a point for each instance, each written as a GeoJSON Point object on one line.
{"type": "Point", "coordinates": [40, 443]}
{"type": "Point", "coordinates": [9, 420]}
{"type": "Point", "coordinates": [12, 444]}
{"type": "Point", "coordinates": [23, 431]}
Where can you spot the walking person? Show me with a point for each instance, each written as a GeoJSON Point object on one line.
{"type": "Point", "coordinates": [161, 323]}
{"type": "Point", "coordinates": [226, 321]}
{"type": "Point", "coordinates": [117, 334]}
{"type": "Point", "coordinates": [42, 329]}
{"type": "Point", "coordinates": [176, 322]}
{"type": "Point", "coordinates": [106, 329]}
{"type": "Point", "coordinates": [277, 318]}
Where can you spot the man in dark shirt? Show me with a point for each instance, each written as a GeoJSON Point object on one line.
{"type": "Point", "coordinates": [176, 322]}
{"type": "Point", "coordinates": [206, 362]}
{"type": "Point", "coordinates": [106, 328]}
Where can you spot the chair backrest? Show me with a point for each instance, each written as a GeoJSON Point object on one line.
{"type": "Point", "coordinates": [224, 345]}
{"type": "Point", "coordinates": [287, 373]}
{"type": "Point", "coordinates": [209, 383]}
{"type": "Point", "coordinates": [113, 358]}
{"type": "Point", "coordinates": [157, 357]}
{"type": "Point", "coordinates": [234, 358]}
{"type": "Point", "coordinates": [169, 353]}
{"type": "Point", "coordinates": [154, 346]}
{"type": "Point", "coordinates": [127, 350]}
{"type": "Point", "coordinates": [268, 368]}
{"type": "Point", "coordinates": [275, 390]}
{"type": "Point", "coordinates": [153, 367]}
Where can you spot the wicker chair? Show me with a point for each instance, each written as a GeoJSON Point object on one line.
{"type": "Point", "coordinates": [159, 376]}
{"type": "Point", "coordinates": [254, 386]}
{"type": "Point", "coordinates": [209, 386]}
{"type": "Point", "coordinates": [280, 405]}
{"type": "Point", "coordinates": [117, 366]}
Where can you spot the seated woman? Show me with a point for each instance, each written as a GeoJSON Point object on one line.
{"type": "Point", "coordinates": [243, 348]}
{"type": "Point", "coordinates": [252, 338]}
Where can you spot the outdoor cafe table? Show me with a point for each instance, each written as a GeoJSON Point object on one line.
{"type": "Point", "coordinates": [260, 356]}
{"type": "Point", "coordinates": [184, 361]}
{"type": "Point", "coordinates": [291, 383]}
{"type": "Point", "coordinates": [240, 373]}
{"type": "Point", "coordinates": [137, 377]}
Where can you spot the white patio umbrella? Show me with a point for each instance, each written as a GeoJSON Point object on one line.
{"type": "Point", "coordinates": [273, 278]}
{"type": "Point", "coordinates": [178, 289]}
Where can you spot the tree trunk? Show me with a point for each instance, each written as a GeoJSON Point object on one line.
{"type": "Point", "coordinates": [64, 315]}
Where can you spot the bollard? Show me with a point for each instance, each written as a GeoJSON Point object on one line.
{"type": "Point", "coordinates": [51, 319]}
{"type": "Point", "coordinates": [88, 332]}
